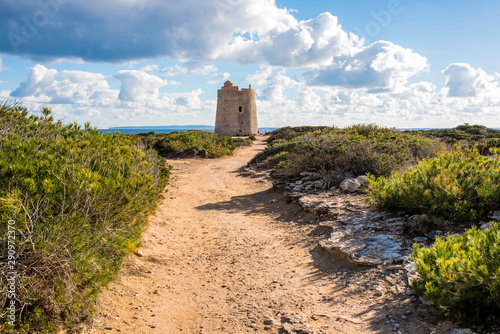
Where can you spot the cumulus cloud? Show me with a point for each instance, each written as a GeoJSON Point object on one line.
{"type": "Point", "coordinates": [76, 87]}
{"type": "Point", "coordinates": [312, 42]}
{"type": "Point", "coordinates": [462, 80]}
{"type": "Point", "coordinates": [277, 85]}
{"type": "Point", "coordinates": [39, 79]}
{"type": "Point", "coordinates": [139, 86]}
{"type": "Point", "coordinates": [381, 65]}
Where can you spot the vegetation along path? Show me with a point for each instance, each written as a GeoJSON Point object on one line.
{"type": "Point", "coordinates": [225, 254]}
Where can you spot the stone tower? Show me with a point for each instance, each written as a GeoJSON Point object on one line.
{"type": "Point", "coordinates": [236, 111]}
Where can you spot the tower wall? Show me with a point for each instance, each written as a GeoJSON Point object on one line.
{"type": "Point", "coordinates": [236, 111]}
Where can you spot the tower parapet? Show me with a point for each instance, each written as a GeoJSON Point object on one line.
{"type": "Point", "coordinates": [236, 111]}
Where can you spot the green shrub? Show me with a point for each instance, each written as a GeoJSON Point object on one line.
{"type": "Point", "coordinates": [79, 200]}
{"type": "Point", "coordinates": [461, 276]}
{"type": "Point", "coordinates": [335, 153]}
{"type": "Point", "coordinates": [460, 185]}
{"type": "Point", "coordinates": [467, 136]}
{"type": "Point", "coordinates": [289, 133]}
{"type": "Point", "coordinates": [192, 143]}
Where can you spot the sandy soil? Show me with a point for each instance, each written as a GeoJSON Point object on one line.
{"type": "Point", "coordinates": [221, 256]}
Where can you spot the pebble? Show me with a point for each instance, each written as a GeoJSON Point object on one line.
{"type": "Point", "coordinates": [139, 253]}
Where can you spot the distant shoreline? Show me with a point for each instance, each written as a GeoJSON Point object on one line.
{"type": "Point", "coordinates": [167, 129]}
{"type": "Point", "coordinates": [180, 128]}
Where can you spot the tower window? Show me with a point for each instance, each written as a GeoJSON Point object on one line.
{"type": "Point", "coordinates": [240, 109]}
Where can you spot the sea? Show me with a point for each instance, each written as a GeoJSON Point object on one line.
{"type": "Point", "coordinates": [167, 129]}
{"type": "Point", "coordinates": [179, 128]}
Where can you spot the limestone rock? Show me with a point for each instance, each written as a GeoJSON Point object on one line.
{"type": "Point", "coordinates": [316, 203]}
{"type": "Point", "coordinates": [370, 250]}
{"type": "Point", "coordinates": [363, 180]}
{"type": "Point", "coordinates": [350, 185]}
{"type": "Point", "coordinates": [485, 226]}
{"type": "Point", "coordinates": [411, 272]}
{"type": "Point", "coordinates": [139, 253]}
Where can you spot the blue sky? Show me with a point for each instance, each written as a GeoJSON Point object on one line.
{"type": "Point", "coordinates": [402, 63]}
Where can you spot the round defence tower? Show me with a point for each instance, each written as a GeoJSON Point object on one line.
{"type": "Point", "coordinates": [236, 111]}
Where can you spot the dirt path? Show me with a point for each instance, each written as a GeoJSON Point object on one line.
{"type": "Point", "coordinates": [221, 257]}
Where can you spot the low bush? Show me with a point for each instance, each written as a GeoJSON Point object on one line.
{"type": "Point", "coordinates": [461, 276]}
{"type": "Point", "coordinates": [459, 185]}
{"type": "Point", "coordinates": [192, 143]}
{"type": "Point", "coordinates": [337, 153]}
{"type": "Point", "coordinates": [79, 200]}
{"type": "Point", "coordinates": [468, 136]}
{"type": "Point", "coordinates": [289, 133]}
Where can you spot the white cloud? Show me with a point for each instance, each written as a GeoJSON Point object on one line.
{"type": "Point", "coordinates": [219, 77]}
{"type": "Point", "coordinates": [181, 70]}
{"type": "Point", "coordinates": [312, 42]}
{"type": "Point", "coordinates": [4, 95]}
{"type": "Point", "coordinates": [77, 87]}
{"type": "Point", "coordinates": [149, 68]}
{"type": "Point", "coordinates": [261, 77]}
{"type": "Point", "coordinates": [277, 85]}
{"type": "Point", "coordinates": [39, 79]}
{"type": "Point", "coordinates": [381, 65]}
{"type": "Point", "coordinates": [1, 65]}
{"type": "Point", "coordinates": [207, 70]}
{"type": "Point", "coordinates": [139, 86]}
{"type": "Point", "coordinates": [463, 80]}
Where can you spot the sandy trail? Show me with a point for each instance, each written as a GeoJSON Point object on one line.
{"type": "Point", "coordinates": [220, 258]}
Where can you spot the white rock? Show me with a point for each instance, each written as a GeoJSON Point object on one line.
{"type": "Point", "coordinates": [485, 226]}
{"type": "Point", "coordinates": [350, 185]}
{"type": "Point", "coordinates": [139, 253]}
{"type": "Point", "coordinates": [363, 180]}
